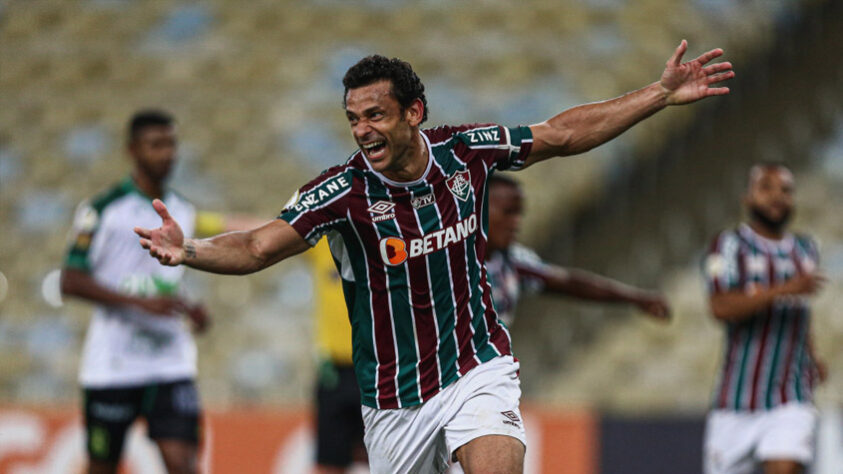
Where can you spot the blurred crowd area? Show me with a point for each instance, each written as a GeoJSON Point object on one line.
{"type": "Point", "coordinates": [256, 89]}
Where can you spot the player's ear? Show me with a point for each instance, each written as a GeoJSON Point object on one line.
{"type": "Point", "coordinates": [414, 113]}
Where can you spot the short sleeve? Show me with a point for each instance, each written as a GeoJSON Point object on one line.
{"type": "Point", "coordinates": [722, 266]}
{"type": "Point", "coordinates": [503, 148]}
{"type": "Point", "coordinates": [533, 272]}
{"type": "Point", "coordinates": [809, 253]}
{"type": "Point", "coordinates": [86, 222]}
{"type": "Point", "coordinates": [317, 207]}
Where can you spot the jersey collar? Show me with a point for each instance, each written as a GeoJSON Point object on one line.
{"type": "Point", "coordinates": [785, 244]}
{"type": "Point", "coordinates": [129, 185]}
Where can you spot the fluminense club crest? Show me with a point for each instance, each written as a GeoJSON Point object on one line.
{"type": "Point", "coordinates": [459, 184]}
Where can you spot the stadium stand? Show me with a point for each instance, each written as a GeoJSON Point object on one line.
{"type": "Point", "coordinates": [256, 92]}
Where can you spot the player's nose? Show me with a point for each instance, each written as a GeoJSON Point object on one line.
{"type": "Point", "coordinates": [361, 129]}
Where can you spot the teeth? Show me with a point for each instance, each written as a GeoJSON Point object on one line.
{"type": "Point", "coordinates": [372, 145]}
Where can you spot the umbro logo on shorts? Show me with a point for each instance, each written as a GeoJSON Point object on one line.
{"type": "Point", "coordinates": [512, 418]}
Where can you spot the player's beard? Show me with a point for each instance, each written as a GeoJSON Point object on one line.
{"type": "Point", "coordinates": [774, 225]}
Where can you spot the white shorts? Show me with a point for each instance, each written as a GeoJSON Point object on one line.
{"type": "Point", "coordinates": [736, 441]}
{"type": "Point", "coordinates": [421, 438]}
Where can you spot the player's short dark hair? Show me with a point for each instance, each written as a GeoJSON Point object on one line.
{"type": "Point", "coordinates": [148, 118]}
{"type": "Point", "coordinates": [406, 85]}
{"type": "Point", "coordinates": [502, 179]}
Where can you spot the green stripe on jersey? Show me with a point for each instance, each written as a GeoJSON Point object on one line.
{"type": "Point", "coordinates": [774, 364]}
{"type": "Point", "coordinates": [739, 388]}
{"type": "Point", "coordinates": [484, 349]}
{"type": "Point", "coordinates": [398, 287]}
{"type": "Point", "coordinates": [438, 266]}
{"type": "Point", "coordinates": [797, 381]}
{"type": "Point", "coordinates": [364, 352]}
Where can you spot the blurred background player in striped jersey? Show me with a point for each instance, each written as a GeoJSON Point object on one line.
{"type": "Point", "coordinates": [514, 269]}
{"type": "Point", "coordinates": [760, 276]}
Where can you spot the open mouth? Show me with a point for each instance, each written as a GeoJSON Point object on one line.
{"type": "Point", "coordinates": [374, 150]}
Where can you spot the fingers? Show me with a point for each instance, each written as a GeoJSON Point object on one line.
{"type": "Point", "coordinates": [145, 233]}
{"type": "Point", "coordinates": [716, 91]}
{"type": "Point", "coordinates": [706, 57]}
{"type": "Point", "coordinates": [719, 77]}
{"type": "Point", "coordinates": [717, 67]}
{"type": "Point", "coordinates": [161, 209]}
{"type": "Point", "coordinates": [164, 257]}
{"type": "Point", "coordinates": [676, 59]}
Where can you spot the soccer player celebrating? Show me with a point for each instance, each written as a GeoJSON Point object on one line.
{"type": "Point", "coordinates": [759, 277]}
{"type": "Point", "coordinates": [407, 223]}
{"type": "Point", "coordinates": [139, 359]}
{"type": "Point", "coordinates": [513, 269]}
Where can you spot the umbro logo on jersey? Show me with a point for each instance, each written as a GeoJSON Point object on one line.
{"type": "Point", "coordinates": [459, 184]}
{"type": "Point", "coordinates": [419, 202]}
{"type": "Point", "coordinates": [382, 210]}
{"type": "Point", "coordinates": [395, 251]}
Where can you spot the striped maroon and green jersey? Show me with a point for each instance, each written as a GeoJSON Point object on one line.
{"type": "Point", "coordinates": [411, 258]}
{"type": "Point", "coordinates": [767, 359]}
{"type": "Point", "coordinates": [512, 272]}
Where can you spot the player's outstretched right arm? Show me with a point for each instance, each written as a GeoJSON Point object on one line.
{"type": "Point", "coordinates": [230, 253]}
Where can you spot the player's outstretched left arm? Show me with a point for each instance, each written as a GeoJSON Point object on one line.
{"type": "Point", "coordinates": [231, 253]}
{"type": "Point", "coordinates": [584, 127]}
{"type": "Point", "coordinates": [588, 286]}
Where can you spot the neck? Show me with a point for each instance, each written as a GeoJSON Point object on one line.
{"type": "Point", "coordinates": [150, 187]}
{"type": "Point", "coordinates": [765, 231]}
{"type": "Point", "coordinates": [413, 162]}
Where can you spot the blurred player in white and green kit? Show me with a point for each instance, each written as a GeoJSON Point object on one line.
{"type": "Point", "coordinates": [139, 358]}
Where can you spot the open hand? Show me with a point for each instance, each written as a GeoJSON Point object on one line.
{"type": "Point", "coordinates": [165, 243]}
{"type": "Point", "coordinates": [688, 82]}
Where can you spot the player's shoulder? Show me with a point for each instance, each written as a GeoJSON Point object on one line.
{"type": "Point", "coordinates": [88, 212]}
{"type": "Point", "coordinates": [107, 197]}
{"type": "Point", "coordinates": [471, 134]}
{"type": "Point", "coordinates": [331, 184]}
{"type": "Point", "coordinates": [522, 254]}
{"type": "Point", "coordinates": [806, 241]}
{"type": "Point", "coordinates": [725, 240]}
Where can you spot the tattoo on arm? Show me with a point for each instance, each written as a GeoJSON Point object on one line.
{"type": "Point", "coordinates": [189, 250]}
